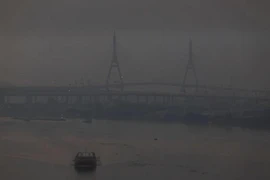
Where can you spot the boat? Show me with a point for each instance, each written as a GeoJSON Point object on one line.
{"type": "Point", "coordinates": [85, 161]}
{"type": "Point", "coordinates": [40, 118]}
{"type": "Point", "coordinates": [87, 121]}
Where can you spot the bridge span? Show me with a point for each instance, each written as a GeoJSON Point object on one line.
{"type": "Point", "coordinates": [203, 87]}
{"type": "Point", "coordinates": [97, 92]}
{"type": "Point", "coordinates": [100, 87]}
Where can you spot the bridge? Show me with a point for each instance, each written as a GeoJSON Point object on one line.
{"type": "Point", "coordinates": [94, 88]}
{"type": "Point", "coordinates": [99, 92]}
{"type": "Point", "coordinates": [130, 84]}
{"type": "Point", "coordinates": [116, 87]}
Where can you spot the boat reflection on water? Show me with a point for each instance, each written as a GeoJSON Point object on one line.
{"type": "Point", "coordinates": [88, 121]}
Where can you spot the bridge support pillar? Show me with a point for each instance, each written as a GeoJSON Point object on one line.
{"type": "Point", "coordinates": [109, 97]}
{"type": "Point", "coordinates": [90, 99]}
{"type": "Point", "coordinates": [79, 100]}
{"type": "Point", "coordinates": [29, 99]}
{"type": "Point", "coordinates": [163, 100]}
{"type": "Point", "coordinates": [155, 99]}
{"type": "Point", "coordinates": [96, 99]}
{"type": "Point", "coordinates": [35, 99]}
{"type": "Point", "coordinates": [138, 99]}
{"type": "Point", "coordinates": [67, 99]}
{"type": "Point", "coordinates": [169, 99]}
{"type": "Point", "coordinates": [7, 99]}
{"type": "Point", "coordinates": [146, 99]}
{"type": "Point", "coordinates": [2, 99]}
{"type": "Point", "coordinates": [172, 99]}
{"type": "Point", "coordinates": [233, 98]}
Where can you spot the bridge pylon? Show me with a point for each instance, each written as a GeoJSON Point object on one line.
{"type": "Point", "coordinates": [190, 66]}
{"type": "Point", "coordinates": [117, 83]}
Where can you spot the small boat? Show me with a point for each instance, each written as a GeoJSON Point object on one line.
{"type": "Point", "coordinates": [87, 121]}
{"type": "Point", "coordinates": [85, 161]}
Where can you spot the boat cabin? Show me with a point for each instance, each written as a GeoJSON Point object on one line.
{"type": "Point", "coordinates": [85, 160]}
{"type": "Point", "coordinates": [85, 155]}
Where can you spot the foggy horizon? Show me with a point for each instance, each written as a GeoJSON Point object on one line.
{"type": "Point", "coordinates": [62, 41]}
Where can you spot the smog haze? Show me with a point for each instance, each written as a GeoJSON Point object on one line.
{"type": "Point", "coordinates": [61, 41]}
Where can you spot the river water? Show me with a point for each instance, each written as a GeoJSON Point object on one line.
{"type": "Point", "coordinates": [128, 150]}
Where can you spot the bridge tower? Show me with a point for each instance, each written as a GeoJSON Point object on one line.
{"type": "Point", "coordinates": [119, 82]}
{"type": "Point", "coordinates": [190, 66]}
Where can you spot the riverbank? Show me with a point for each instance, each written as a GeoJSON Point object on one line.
{"type": "Point", "coordinates": [193, 115]}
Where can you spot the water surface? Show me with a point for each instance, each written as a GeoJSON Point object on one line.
{"type": "Point", "coordinates": [128, 150]}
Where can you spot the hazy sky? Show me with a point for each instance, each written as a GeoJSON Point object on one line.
{"type": "Point", "coordinates": [63, 40]}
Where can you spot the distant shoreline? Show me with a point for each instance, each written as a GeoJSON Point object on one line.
{"type": "Point", "coordinates": [252, 119]}
{"type": "Point", "coordinates": [245, 123]}
{"type": "Point", "coordinates": [39, 119]}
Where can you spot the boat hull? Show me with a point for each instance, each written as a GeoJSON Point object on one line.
{"type": "Point", "coordinates": [85, 168]}
{"type": "Point", "coordinates": [85, 165]}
